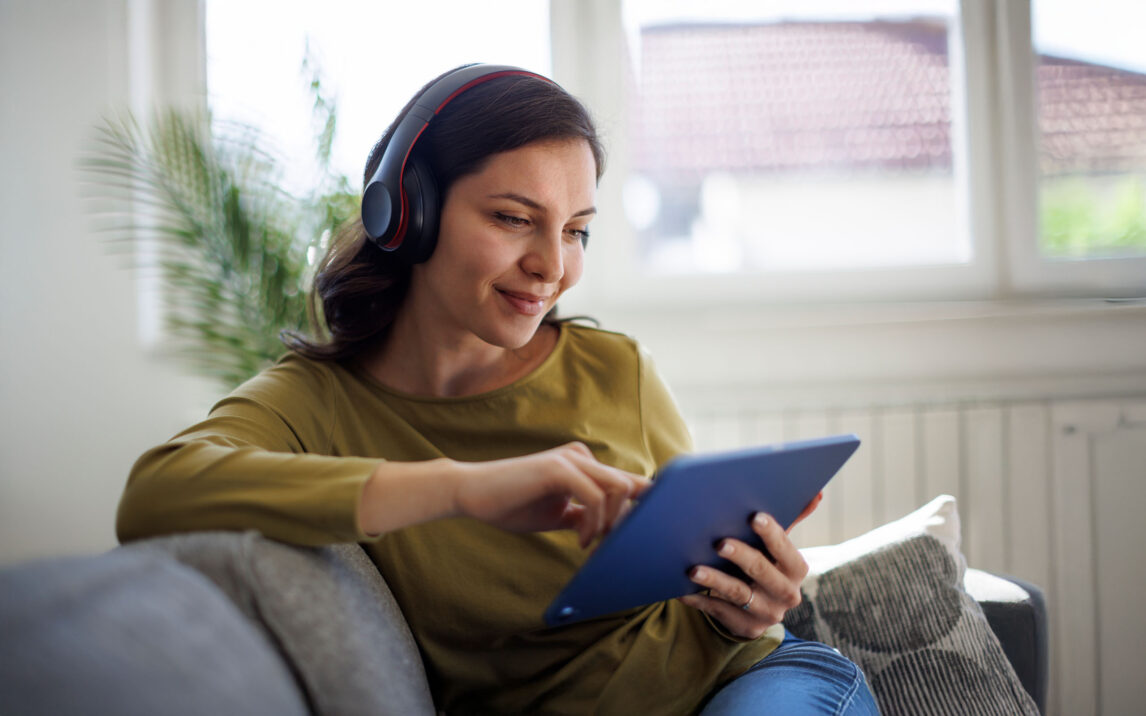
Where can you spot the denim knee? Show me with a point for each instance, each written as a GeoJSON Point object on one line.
{"type": "Point", "coordinates": [799, 677]}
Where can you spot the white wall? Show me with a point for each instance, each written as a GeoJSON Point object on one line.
{"type": "Point", "coordinates": [80, 398]}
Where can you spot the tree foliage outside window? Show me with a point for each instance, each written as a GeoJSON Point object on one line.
{"type": "Point", "coordinates": [1079, 221]}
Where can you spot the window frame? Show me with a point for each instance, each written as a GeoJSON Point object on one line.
{"type": "Point", "coordinates": [1030, 272]}
{"type": "Point", "coordinates": [995, 135]}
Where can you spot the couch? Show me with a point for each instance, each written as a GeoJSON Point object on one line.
{"type": "Point", "coordinates": [234, 623]}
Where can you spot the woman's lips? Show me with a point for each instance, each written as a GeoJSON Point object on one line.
{"type": "Point", "coordinates": [527, 304]}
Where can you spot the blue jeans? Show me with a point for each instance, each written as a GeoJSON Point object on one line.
{"type": "Point", "coordinates": [799, 677]}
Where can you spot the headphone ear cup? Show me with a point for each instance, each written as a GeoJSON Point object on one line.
{"type": "Point", "coordinates": [423, 210]}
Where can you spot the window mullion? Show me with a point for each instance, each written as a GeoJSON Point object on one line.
{"type": "Point", "coordinates": [596, 72]}
{"type": "Point", "coordinates": [1018, 136]}
{"type": "Point", "coordinates": [978, 133]}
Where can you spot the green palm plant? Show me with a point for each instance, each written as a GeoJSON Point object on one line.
{"type": "Point", "coordinates": [231, 248]}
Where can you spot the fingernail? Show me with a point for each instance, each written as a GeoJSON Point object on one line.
{"type": "Point", "coordinates": [761, 519]}
{"type": "Point", "coordinates": [700, 574]}
{"type": "Point", "coordinates": [725, 549]}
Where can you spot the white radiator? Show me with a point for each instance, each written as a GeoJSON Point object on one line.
{"type": "Point", "coordinates": [1051, 491]}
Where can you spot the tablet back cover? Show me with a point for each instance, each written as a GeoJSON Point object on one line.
{"type": "Point", "coordinates": [696, 501]}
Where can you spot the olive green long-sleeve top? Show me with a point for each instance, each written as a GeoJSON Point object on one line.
{"type": "Point", "coordinates": [289, 452]}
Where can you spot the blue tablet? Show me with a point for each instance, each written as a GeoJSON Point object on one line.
{"type": "Point", "coordinates": [695, 501]}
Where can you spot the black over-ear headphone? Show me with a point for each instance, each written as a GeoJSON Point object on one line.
{"type": "Point", "coordinates": [400, 204]}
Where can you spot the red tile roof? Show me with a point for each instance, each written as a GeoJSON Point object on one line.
{"type": "Point", "coordinates": [850, 95]}
{"type": "Point", "coordinates": [1093, 118]}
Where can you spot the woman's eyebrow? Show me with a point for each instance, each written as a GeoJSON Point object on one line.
{"type": "Point", "coordinates": [526, 201]}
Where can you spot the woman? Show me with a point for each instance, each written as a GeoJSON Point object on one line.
{"type": "Point", "coordinates": [475, 445]}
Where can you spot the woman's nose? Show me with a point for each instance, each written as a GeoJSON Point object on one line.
{"type": "Point", "coordinates": [544, 260]}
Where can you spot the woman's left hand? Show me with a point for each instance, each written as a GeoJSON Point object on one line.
{"type": "Point", "coordinates": [747, 609]}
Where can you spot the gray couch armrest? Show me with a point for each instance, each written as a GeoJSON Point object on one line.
{"type": "Point", "coordinates": [326, 608]}
{"type": "Point", "coordinates": [1016, 611]}
{"type": "Point", "coordinates": [128, 633]}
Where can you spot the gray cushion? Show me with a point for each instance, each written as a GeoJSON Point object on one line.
{"type": "Point", "coordinates": [893, 601]}
{"type": "Point", "coordinates": [131, 633]}
{"type": "Point", "coordinates": [1017, 613]}
{"type": "Point", "coordinates": [329, 611]}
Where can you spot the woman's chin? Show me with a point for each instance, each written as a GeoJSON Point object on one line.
{"type": "Point", "coordinates": [515, 338]}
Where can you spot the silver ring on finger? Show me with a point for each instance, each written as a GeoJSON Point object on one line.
{"type": "Point", "coordinates": [751, 596]}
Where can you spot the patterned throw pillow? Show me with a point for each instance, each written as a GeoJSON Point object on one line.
{"type": "Point", "coordinates": [892, 600]}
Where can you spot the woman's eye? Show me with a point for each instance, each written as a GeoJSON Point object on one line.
{"type": "Point", "coordinates": [581, 235]}
{"type": "Point", "coordinates": [515, 221]}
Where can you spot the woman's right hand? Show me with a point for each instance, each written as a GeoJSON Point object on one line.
{"type": "Point", "coordinates": [562, 488]}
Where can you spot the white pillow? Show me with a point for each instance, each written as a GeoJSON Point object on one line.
{"type": "Point", "coordinates": [892, 600]}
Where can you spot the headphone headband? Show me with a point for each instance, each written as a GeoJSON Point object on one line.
{"type": "Point", "coordinates": [387, 209]}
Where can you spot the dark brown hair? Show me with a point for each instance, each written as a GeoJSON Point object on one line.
{"type": "Point", "coordinates": [359, 288]}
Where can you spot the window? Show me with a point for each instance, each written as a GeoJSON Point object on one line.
{"type": "Point", "coordinates": [372, 57]}
{"type": "Point", "coordinates": [1091, 88]}
{"type": "Point", "coordinates": [876, 149]}
{"type": "Point", "coordinates": [811, 136]}
{"type": "Point", "coordinates": [812, 150]}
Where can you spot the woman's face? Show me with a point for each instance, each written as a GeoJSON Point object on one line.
{"type": "Point", "coordinates": [509, 243]}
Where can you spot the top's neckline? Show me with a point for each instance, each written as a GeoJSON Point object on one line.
{"type": "Point", "coordinates": [562, 336]}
